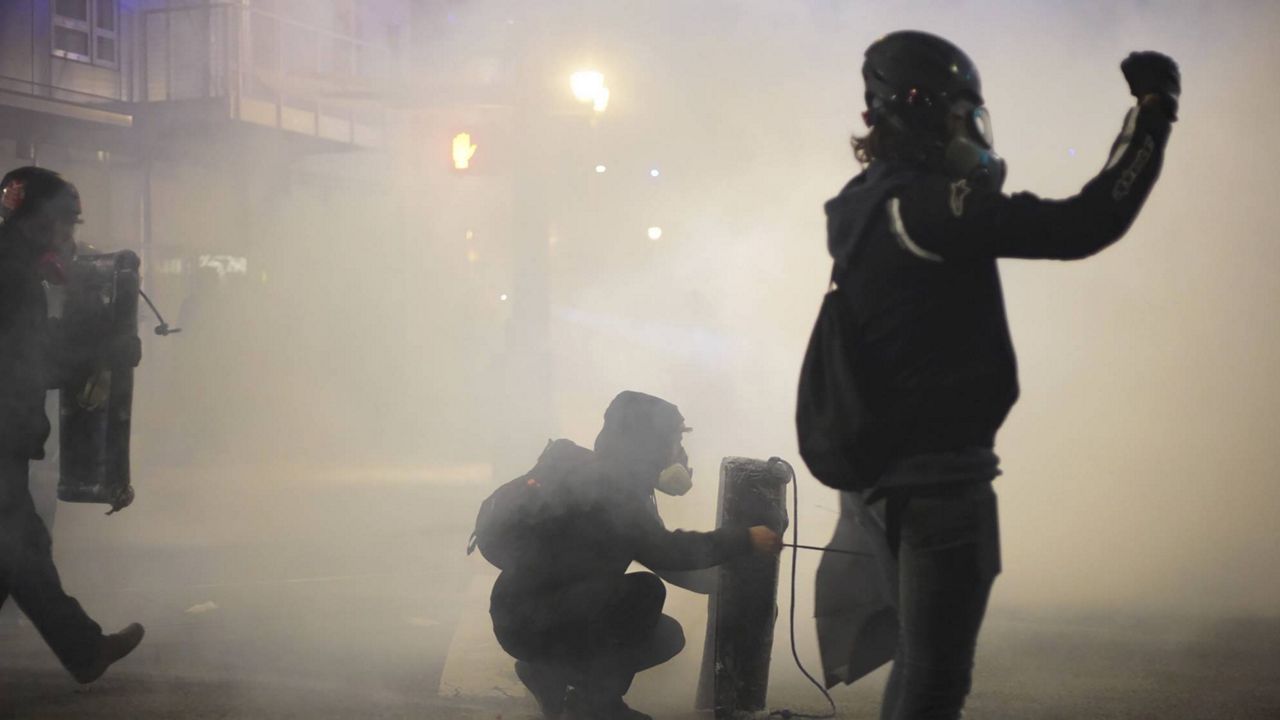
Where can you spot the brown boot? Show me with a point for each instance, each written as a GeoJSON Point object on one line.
{"type": "Point", "coordinates": [110, 649]}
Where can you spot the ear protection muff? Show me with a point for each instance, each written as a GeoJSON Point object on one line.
{"type": "Point", "coordinates": [13, 195]}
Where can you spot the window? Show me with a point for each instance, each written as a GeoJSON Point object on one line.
{"type": "Point", "coordinates": [88, 31]}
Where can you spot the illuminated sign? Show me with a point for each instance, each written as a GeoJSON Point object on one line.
{"type": "Point", "coordinates": [225, 264]}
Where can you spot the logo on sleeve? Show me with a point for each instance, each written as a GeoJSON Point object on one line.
{"type": "Point", "coordinates": [1130, 175]}
{"type": "Point", "coordinates": [959, 191]}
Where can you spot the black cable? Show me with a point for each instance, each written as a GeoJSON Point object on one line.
{"type": "Point", "coordinates": [837, 551]}
{"type": "Point", "coordinates": [795, 554]}
{"type": "Point", "coordinates": [163, 328]}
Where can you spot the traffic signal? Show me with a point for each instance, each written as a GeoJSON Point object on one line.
{"type": "Point", "coordinates": [463, 151]}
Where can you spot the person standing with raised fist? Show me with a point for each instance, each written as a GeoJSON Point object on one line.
{"type": "Point", "coordinates": [911, 369]}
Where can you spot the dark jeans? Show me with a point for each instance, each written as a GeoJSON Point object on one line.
{"type": "Point", "coordinates": [947, 543]}
{"type": "Point", "coordinates": [27, 573]}
{"type": "Point", "coordinates": [599, 633]}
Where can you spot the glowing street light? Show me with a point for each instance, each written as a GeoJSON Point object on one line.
{"type": "Point", "coordinates": [588, 87]}
{"type": "Point", "coordinates": [601, 100]}
{"type": "Point", "coordinates": [655, 233]}
{"type": "Point", "coordinates": [586, 84]}
{"type": "Point", "coordinates": [601, 168]}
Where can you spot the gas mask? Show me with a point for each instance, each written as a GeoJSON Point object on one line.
{"type": "Point", "coordinates": [676, 480]}
{"type": "Point", "coordinates": [968, 153]}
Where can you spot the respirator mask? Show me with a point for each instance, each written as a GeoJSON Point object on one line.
{"type": "Point", "coordinates": [968, 152]}
{"type": "Point", "coordinates": [676, 480]}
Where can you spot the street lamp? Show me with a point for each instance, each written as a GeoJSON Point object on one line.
{"type": "Point", "coordinates": [588, 87]}
{"type": "Point", "coordinates": [601, 100]}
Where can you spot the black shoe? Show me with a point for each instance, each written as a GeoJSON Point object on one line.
{"type": "Point", "coordinates": [579, 707]}
{"type": "Point", "coordinates": [547, 685]}
{"type": "Point", "coordinates": [110, 649]}
{"type": "Point", "coordinates": [620, 711]}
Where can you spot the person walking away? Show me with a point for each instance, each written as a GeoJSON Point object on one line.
{"type": "Point", "coordinates": [40, 210]}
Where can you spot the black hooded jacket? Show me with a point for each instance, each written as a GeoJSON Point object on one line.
{"type": "Point", "coordinates": [26, 370]}
{"type": "Point", "coordinates": [607, 516]}
{"type": "Point", "coordinates": [915, 257]}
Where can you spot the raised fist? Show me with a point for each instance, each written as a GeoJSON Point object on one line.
{"type": "Point", "coordinates": [1152, 73]}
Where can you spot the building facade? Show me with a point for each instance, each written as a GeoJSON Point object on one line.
{"type": "Point", "coordinates": [262, 157]}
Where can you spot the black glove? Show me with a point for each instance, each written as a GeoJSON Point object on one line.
{"type": "Point", "coordinates": [1151, 73]}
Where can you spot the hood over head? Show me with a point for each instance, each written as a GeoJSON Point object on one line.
{"type": "Point", "coordinates": [640, 432]}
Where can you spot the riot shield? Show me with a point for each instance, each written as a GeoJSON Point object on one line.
{"type": "Point", "coordinates": [742, 609]}
{"type": "Point", "coordinates": [96, 405]}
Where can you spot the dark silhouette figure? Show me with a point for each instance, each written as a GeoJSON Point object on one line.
{"type": "Point", "coordinates": [915, 239]}
{"type": "Point", "coordinates": [40, 211]}
{"type": "Point", "coordinates": [580, 626]}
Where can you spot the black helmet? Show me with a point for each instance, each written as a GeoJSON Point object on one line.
{"type": "Point", "coordinates": [27, 189]}
{"type": "Point", "coordinates": [913, 77]}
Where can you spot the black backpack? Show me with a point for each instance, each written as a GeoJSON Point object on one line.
{"type": "Point", "coordinates": [843, 439]}
{"type": "Point", "coordinates": [511, 518]}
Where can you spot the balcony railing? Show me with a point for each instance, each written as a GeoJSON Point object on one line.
{"type": "Point", "coordinates": [42, 98]}
{"type": "Point", "coordinates": [270, 70]}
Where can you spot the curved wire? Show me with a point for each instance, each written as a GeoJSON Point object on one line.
{"type": "Point", "coordinates": [795, 554]}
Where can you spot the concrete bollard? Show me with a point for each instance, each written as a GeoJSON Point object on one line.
{"type": "Point", "coordinates": [742, 610]}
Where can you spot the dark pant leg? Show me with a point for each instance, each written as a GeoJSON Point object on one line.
{"type": "Point", "coordinates": [614, 670]}
{"type": "Point", "coordinates": [600, 631]}
{"type": "Point", "coordinates": [27, 573]}
{"type": "Point", "coordinates": [948, 558]}
{"type": "Point", "coordinates": [625, 631]}
{"type": "Point", "coordinates": [665, 642]}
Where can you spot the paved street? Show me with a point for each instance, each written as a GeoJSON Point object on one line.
{"type": "Point", "coordinates": [279, 594]}
{"type": "Point", "coordinates": [292, 594]}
